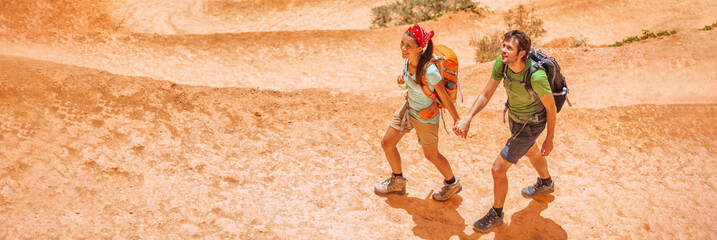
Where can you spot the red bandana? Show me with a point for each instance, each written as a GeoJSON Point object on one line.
{"type": "Point", "coordinates": [422, 36]}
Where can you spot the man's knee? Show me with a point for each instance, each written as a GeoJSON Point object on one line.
{"type": "Point", "coordinates": [500, 167]}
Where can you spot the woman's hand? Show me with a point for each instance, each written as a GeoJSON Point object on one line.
{"type": "Point", "coordinates": [401, 83]}
{"type": "Point", "coordinates": [461, 127]}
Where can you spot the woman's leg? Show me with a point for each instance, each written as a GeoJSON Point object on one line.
{"type": "Point", "coordinates": [451, 185]}
{"type": "Point", "coordinates": [388, 143]}
{"type": "Point", "coordinates": [394, 184]}
{"type": "Point", "coordinates": [439, 161]}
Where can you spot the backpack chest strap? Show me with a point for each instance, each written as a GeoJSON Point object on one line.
{"type": "Point", "coordinates": [533, 118]}
{"type": "Point", "coordinates": [528, 87]}
{"type": "Point", "coordinates": [525, 83]}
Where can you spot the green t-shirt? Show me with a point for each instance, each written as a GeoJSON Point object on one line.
{"type": "Point", "coordinates": [519, 102]}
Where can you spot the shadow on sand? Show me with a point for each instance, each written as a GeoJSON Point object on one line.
{"type": "Point", "coordinates": [441, 220]}
{"type": "Point", "coordinates": [434, 220]}
{"type": "Point", "coordinates": [528, 224]}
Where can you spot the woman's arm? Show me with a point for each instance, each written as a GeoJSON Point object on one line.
{"type": "Point", "coordinates": [446, 100]}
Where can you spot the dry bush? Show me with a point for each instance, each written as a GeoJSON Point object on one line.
{"type": "Point", "coordinates": [488, 48]}
{"type": "Point", "coordinates": [414, 11]}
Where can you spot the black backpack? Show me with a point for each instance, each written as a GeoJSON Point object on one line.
{"type": "Point", "coordinates": [556, 79]}
{"type": "Point", "coordinates": [551, 67]}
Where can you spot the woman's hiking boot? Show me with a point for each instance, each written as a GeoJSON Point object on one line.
{"type": "Point", "coordinates": [394, 184]}
{"type": "Point", "coordinates": [448, 190]}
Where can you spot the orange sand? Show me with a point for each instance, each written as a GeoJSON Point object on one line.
{"type": "Point", "coordinates": [262, 120]}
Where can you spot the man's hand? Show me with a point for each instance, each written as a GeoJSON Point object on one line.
{"type": "Point", "coordinates": [461, 127]}
{"type": "Point", "coordinates": [547, 147]}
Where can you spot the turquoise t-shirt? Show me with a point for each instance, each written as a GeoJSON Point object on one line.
{"type": "Point", "coordinates": [416, 98]}
{"type": "Point", "coordinates": [519, 102]}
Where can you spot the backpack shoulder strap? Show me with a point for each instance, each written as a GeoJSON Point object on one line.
{"type": "Point", "coordinates": [507, 78]}
{"type": "Point", "coordinates": [526, 83]}
{"type": "Point", "coordinates": [529, 74]}
{"type": "Point", "coordinates": [426, 90]}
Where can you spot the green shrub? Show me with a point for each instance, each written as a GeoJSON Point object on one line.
{"type": "Point", "coordinates": [524, 20]}
{"type": "Point", "coordinates": [414, 11]}
{"type": "Point", "coordinates": [488, 48]}
{"type": "Point", "coordinates": [381, 16]}
{"type": "Point", "coordinates": [709, 27]}
{"type": "Point", "coordinates": [645, 35]}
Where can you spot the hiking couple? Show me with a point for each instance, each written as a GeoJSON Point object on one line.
{"type": "Point", "coordinates": [531, 108]}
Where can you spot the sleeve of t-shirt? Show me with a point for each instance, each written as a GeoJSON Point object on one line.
{"type": "Point", "coordinates": [433, 77]}
{"type": "Point", "coordinates": [540, 84]}
{"type": "Point", "coordinates": [497, 73]}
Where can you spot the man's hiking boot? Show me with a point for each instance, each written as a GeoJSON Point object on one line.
{"type": "Point", "coordinates": [394, 184]}
{"type": "Point", "coordinates": [448, 190]}
{"type": "Point", "coordinates": [537, 188]}
{"type": "Point", "coordinates": [489, 221]}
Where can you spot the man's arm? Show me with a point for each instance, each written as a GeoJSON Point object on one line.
{"type": "Point", "coordinates": [461, 127]}
{"type": "Point", "coordinates": [549, 103]}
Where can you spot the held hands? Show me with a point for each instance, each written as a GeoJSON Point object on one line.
{"type": "Point", "coordinates": [461, 127]}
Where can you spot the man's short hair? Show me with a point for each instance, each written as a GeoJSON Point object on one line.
{"type": "Point", "coordinates": [523, 41]}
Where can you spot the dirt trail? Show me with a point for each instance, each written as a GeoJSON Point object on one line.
{"type": "Point", "coordinates": [231, 121]}
{"type": "Point", "coordinates": [90, 154]}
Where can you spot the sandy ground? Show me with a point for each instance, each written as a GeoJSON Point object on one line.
{"type": "Point", "coordinates": [262, 120]}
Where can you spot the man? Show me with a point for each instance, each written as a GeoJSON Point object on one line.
{"type": "Point", "coordinates": [529, 111]}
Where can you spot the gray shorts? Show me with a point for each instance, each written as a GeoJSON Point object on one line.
{"type": "Point", "coordinates": [517, 147]}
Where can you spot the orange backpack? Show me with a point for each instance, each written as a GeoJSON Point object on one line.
{"type": "Point", "coordinates": [447, 63]}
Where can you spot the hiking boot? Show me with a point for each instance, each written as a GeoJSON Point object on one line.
{"type": "Point", "coordinates": [489, 221]}
{"type": "Point", "coordinates": [391, 185]}
{"type": "Point", "coordinates": [537, 188]}
{"type": "Point", "coordinates": [448, 190]}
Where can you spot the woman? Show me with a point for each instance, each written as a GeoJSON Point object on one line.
{"type": "Point", "coordinates": [417, 49]}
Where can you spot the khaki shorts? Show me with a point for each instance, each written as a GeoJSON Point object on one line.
{"type": "Point", "coordinates": [427, 132]}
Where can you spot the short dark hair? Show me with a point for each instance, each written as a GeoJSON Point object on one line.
{"type": "Point", "coordinates": [523, 41]}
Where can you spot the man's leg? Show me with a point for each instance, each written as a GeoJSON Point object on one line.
{"type": "Point", "coordinates": [494, 217]}
{"type": "Point", "coordinates": [544, 184]}
{"type": "Point", "coordinates": [500, 181]}
{"type": "Point", "coordinates": [538, 161]}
